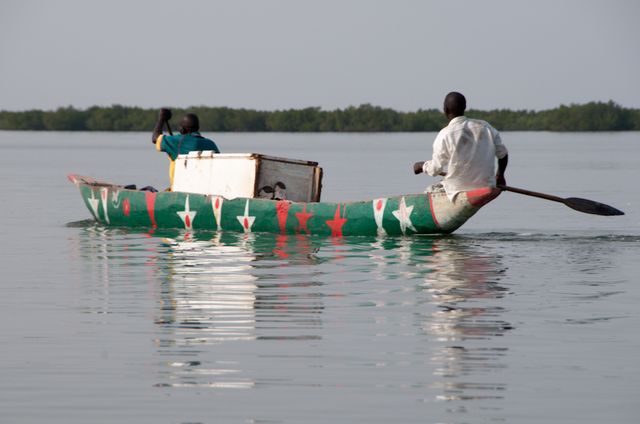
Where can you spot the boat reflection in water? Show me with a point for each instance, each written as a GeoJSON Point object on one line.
{"type": "Point", "coordinates": [225, 288]}
{"type": "Point", "coordinates": [415, 320]}
{"type": "Point", "coordinates": [464, 284]}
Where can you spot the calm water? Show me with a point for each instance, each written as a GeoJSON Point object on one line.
{"type": "Point", "coordinates": [529, 313]}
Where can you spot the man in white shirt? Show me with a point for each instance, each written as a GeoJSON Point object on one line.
{"type": "Point", "coordinates": [464, 151]}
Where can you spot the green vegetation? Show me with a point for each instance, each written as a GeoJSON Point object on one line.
{"type": "Point", "coordinates": [594, 116]}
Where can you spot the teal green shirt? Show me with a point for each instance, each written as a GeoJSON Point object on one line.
{"type": "Point", "coordinates": [180, 144]}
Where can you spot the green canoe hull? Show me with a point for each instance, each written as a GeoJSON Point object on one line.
{"type": "Point", "coordinates": [428, 213]}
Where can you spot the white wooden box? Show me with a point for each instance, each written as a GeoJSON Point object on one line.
{"type": "Point", "coordinates": [247, 175]}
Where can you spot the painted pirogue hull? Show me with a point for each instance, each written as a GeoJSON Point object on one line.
{"type": "Point", "coordinates": [429, 213]}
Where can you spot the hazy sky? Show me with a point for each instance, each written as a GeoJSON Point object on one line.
{"type": "Point", "coordinates": [295, 53]}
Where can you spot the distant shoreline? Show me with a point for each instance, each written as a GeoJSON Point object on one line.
{"type": "Point", "coordinates": [592, 116]}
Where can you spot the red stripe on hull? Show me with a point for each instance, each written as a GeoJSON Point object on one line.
{"type": "Point", "coordinates": [433, 212]}
{"type": "Point", "coordinates": [150, 197]}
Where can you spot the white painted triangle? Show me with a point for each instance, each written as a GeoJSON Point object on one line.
{"type": "Point", "coordinates": [379, 206]}
{"type": "Point", "coordinates": [93, 202]}
{"type": "Point", "coordinates": [216, 205]}
{"type": "Point", "coordinates": [104, 196]}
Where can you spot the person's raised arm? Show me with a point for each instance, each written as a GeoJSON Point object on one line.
{"type": "Point", "coordinates": [163, 116]}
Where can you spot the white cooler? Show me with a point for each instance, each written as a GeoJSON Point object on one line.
{"type": "Point", "coordinates": [249, 175]}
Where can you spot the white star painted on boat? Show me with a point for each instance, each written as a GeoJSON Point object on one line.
{"type": "Point", "coordinates": [187, 215]}
{"type": "Point", "coordinates": [245, 220]}
{"type": "Point", "coordinates": [403, 214]}
{"type": "Point", "coordinates": [93, 202]}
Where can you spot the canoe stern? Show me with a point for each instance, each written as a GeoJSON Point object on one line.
{"type": "Point", "coordinates": [450, 215]}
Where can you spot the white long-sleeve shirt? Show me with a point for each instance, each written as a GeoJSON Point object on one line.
{"type": "Point", "coordinates": [466, 151]}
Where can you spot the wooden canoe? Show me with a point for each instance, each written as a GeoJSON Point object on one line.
{"type": "Point", "coordinates": [425, 213]}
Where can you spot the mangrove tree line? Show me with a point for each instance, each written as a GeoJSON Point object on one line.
{"type": "Point", "coordinates": [593, 116]}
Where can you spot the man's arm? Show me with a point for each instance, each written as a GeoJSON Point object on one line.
{"type": "Point", "coordinates": [163, 116]}
{"type": "Point", "coordinates": [437, 166]}
{"type": "Point", "coordinates": [418, 168]}
{"type": "Point", "coordinates": [502, 167]}
{"type": "Point", "coordinates": [502, 154]}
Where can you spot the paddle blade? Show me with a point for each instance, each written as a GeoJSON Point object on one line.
{"type": "Point", "coordinates": [589, 206]}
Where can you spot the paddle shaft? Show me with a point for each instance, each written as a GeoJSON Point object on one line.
{"type": "Point", "coordinates": [575, 203]}
{"type": "Point", "coordinates": [532, 193]}
{"type": "Point", "coordinates": [168, 127]}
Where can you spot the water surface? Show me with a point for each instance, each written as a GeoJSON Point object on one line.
{"type": "Point", "coordinates": [529, 313]}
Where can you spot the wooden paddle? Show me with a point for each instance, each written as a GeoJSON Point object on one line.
{"type": "Point", "coordinates": [168, 127]}
{"type": "Point", "coordinates": [576, 203]}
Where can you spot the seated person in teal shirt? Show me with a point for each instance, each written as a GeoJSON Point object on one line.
{"type": "Point", "coordinates": [188, 140]}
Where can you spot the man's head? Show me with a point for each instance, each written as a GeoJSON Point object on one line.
{"type": "Point", "coordinates": [454, 104]}
{"type": "Point", "coordinates": [189, 123]}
